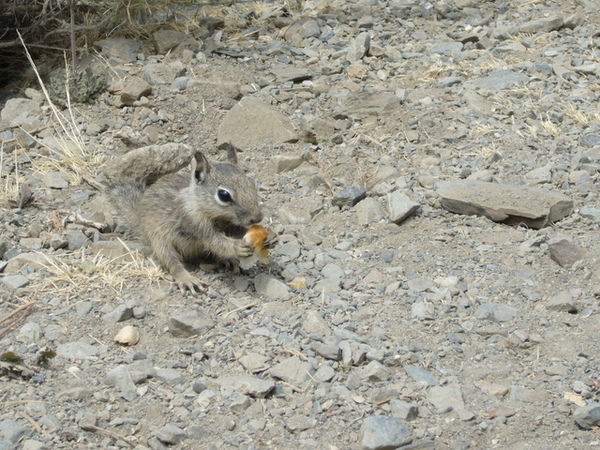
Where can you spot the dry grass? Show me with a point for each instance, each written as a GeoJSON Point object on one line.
{"type": "Point", "coordinates": [579, 116]}
{"type": "Point", "coordinates": [73, 154]}
{"type": "Point", "coordinates": [440, 69]}
{"type": "Point", "coordinates": [79, 272]}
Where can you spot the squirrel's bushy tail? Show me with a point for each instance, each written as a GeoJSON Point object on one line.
{"type": "Point", "coordinates": [125, 197]}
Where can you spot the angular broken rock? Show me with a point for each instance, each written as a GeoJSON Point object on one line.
{"type": "Point", "coordinates": [148, 164]}
{"type": "Point", "coordinates": [563, 251]}
{"type": "Point", "coordinates": [400, 206]}
{"type": "Point", "coordinates": [252, 123]}
{"type": "Point", "coordinates": [588, 416]}
{"type": "Point", "coordinates": [246, 385]}
{"type": "Point", "coordinates": [363, 104]}
{"type": "Point", "coordinates": [190, 322]}
{"type": "Point", "coordinates": [514, 205]}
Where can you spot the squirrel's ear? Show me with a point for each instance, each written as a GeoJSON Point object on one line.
{"type": "Point", "coordinates": [200, 168]}
{"type": "Point", "coordinates": [232, 154]}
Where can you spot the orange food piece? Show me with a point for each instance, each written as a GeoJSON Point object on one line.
{"type": "Point", "coordinates": [256, 235]}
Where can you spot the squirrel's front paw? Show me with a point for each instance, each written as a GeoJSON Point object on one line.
{"type": "Point", "coordinates": [243, 249]}
{"type": "Point", "coordinates": [271, 241]}
{"type": "Point", "coordinates": [188, 283]}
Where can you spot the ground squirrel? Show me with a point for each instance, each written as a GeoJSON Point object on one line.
{"type": "Point", "coordinates": [184, 216]}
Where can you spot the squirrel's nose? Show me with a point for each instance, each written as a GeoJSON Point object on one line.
{"type": "Point", "coordinates": [257, 217]}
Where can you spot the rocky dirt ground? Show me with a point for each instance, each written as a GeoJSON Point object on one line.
{"type": "Point", "coordinates": [388, 317]}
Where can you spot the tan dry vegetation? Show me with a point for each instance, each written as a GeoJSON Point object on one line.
{"type": "Point", "coordinates": [115, 274]}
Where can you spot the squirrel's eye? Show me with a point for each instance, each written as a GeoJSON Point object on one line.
{"type": "Point", "coordinates": [224, 196]}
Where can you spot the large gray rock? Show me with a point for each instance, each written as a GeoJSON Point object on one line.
{"type": "Point", "coordinates": [588, 416]}
{"type": "Point", "coordinates": [383, 433]}
{"type": "Point", "coordinates": [252, 123]}
{"type": "Point", "coordinates": [12, 431]}
{"type": "Point", "coordinates": [535, 208]}
{"type": "Point", "coordinates": [19, 112]}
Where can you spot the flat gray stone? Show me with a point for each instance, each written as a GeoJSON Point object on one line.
{"type": "Point", "coordinates": [404, 410]}
{"type": "Point", "coordinates": [173, 41]}
{"type": "Point", "coordinates": [271, 288]}
{"type": "Point", "coordinates": [293, 74]}
{"type": "Point", "coordinates": [163, 73]}
{"type": "Point", "coordinates": [285, 163]}
{"type": "Point", "coordinates": [543, 25]}
{"type": "Point", "coordinates": [190, 322]}
{"type": "Point", "coordinates": [421, 375]}
{"type": "Point", "coordinates": [562, 301]}
{"type": "Point", "coordinates": [134, 89]}
{"type": "Point", "coordinates": [55, 180]}
{"type": "Point", "coordinates": [364, 104]}
{"type": "Point", "coordinates": [77, 350]}
{"type": "Point", "coordinates": [300, 422]}
{"type": "Point", "coordinates": [590, 213]}
{"type": "Point", "coordinates": [170, 376]}
{"type": "Point", "coordinates": [369, 211]}
{"type": "Point", "coordinates": [536, 208]}
{"type": "Point", "coordinates": [496, 312]}
{"type": "Point", "coordinates": [30, 332]}
{"type": "Point", "coordinates": [254, 362]}
{"type": "Point", "coordinates": [384, 433]}
{"type": "Point", "coordinates": [500, 80]}
{"type": "Point", "coordinates": [327, 350]}
{"type": "Point", "coordinates": [15, 281]}
{"type": "Point", "coordinates": [18, 112]}
{"type": "Point", "coordinates": [359, 47]}
{"type": "Point", "coordinates": [588, 416]}
{"type": "Point", "coordinates": [314, 323]}
{"type": "Point", "coordinates": [375, 371]}
{"type": "Point", "coordinates": [293, 370]}
{"type": "Point", "coordinates": [400, 207]}
{"type": "Point", "coordinates": [564, 251]}
{"type": "Point", "coordinates": [246, 385]}
{"type": "Point", "coordinates": [252, 123]}
{"type": "Point", "coordinates": [171, 434]}
{"type": "Point", "coordinates": [324, 373]}
{"type": "Point", "coordinates": [120, 378]}
{"type": "Point", "coordinates": [349, 196]}
{"type": "Point", "coordinates": [446, 398]}
{"type": "Point", "coordinates": [119, 314]}
{"type": "Point", "coordinates": [12, 431]}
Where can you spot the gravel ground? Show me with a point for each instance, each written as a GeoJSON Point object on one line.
{"type": "Point", "coordinates": [389, 315]}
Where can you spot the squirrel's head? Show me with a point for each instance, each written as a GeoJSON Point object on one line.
{"type": "Point", "coordinates": [231, 193]}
